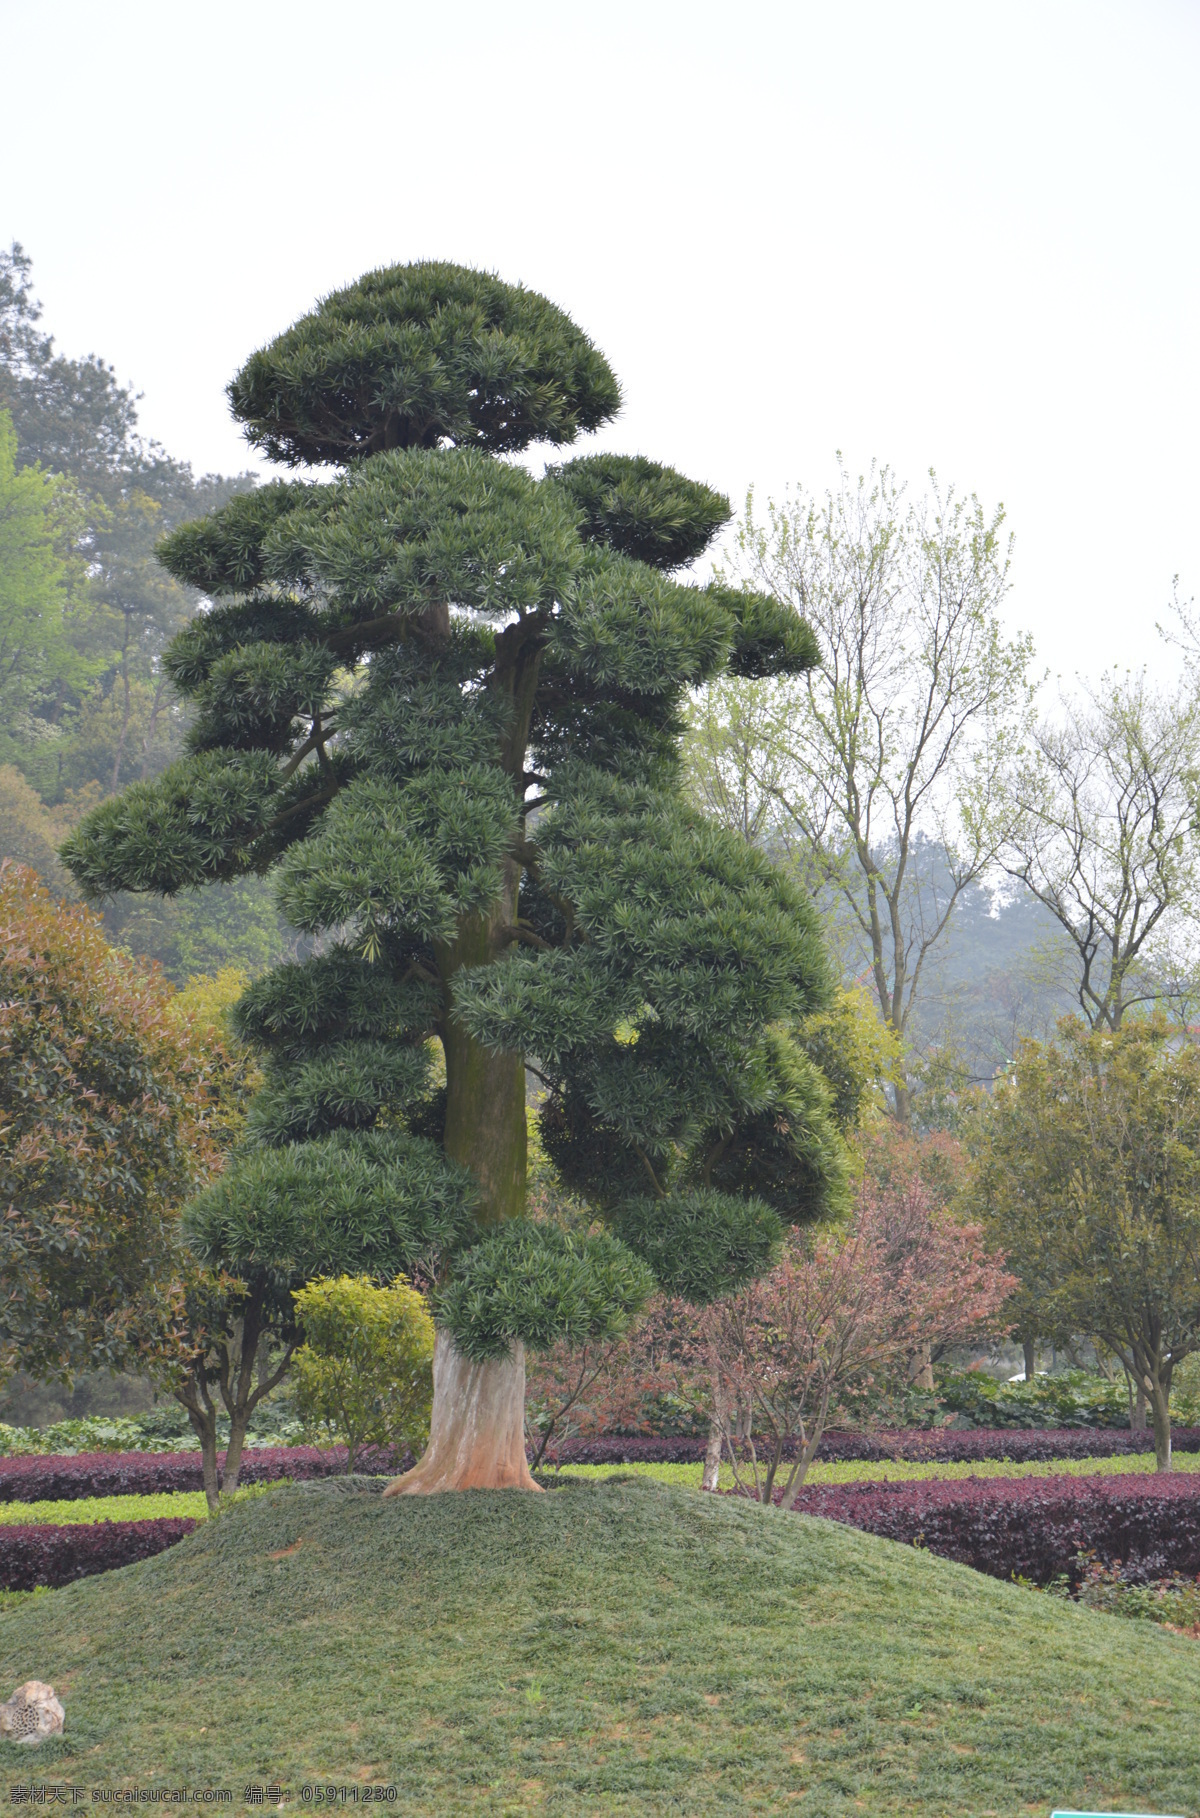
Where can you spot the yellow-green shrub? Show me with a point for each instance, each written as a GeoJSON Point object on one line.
{"type": "Point", "coordinates": [364, 1376]}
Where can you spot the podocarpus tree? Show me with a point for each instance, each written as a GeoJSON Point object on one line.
{"type": "Point", "coordinates": [442, 700]}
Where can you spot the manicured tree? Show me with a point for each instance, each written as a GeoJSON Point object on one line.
{"type": "Point", "coordinates": [442, 699]}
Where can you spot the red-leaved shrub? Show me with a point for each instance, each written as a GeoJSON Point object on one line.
{"type": "Point", "coordinates": [39, 1554]}
{"type": "Point", "coordinates": [939, 1446]}
{"type": "Point", "coordinates": [55, 1479]}
{"type": "Point", "coordinates": [1031, 1527]}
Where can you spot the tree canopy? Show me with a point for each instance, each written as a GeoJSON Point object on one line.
{"type": "Point", "coordinates": [441, 701]}
{"type": "Point", "coordinates": [109, 1111]}
{"type": "Point", "coordinates": [1087, 1171]}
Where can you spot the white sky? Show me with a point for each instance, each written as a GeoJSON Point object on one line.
{"type": "Point", "coordinates": [962, 235]}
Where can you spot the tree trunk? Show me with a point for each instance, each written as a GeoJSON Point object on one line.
{"type": "Point", "coordinates": [1160, 1409]}
{"type": "Point", "coordinates": [126, 712]}
{"type": "Point", "coordinates": [477, 1434]}
{"type": "Point", "coordinates": [920, 1369]}
{"type": "Point", "coordinates": [148, 741]}
{"type": "Point", "coordinates": [712, 1455]}
{"type": "Point", "coordinates": [238, 1421]}
{"type": "Point", "coordinates": [1137, 1420]}
{"type": "Point", "coordinates": [485, 1091]}
{"type": "Point", "coordinates": [1029, 1349]}
{"type": "Point", "coordinates": [203, 1422]}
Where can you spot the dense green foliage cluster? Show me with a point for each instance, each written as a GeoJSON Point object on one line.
{"type": "Point", "coordinates": [441, 701]}
{"type": "Point", "coordinates": [110, 1113]}
{"type": "Point", "coordinates": [364, 1374]}
{"type": "Point", "coordinates": [1087, 1170]}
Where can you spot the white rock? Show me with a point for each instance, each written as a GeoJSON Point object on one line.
{"type": "Point", "coordinates": [31, 1714]}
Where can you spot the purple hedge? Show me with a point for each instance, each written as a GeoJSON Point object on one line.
{"type": "Point", "coordinates": [939, 1446]}
{"type": "Point", "coordinates": [124, 1473]}
{"type": "Point", "coordinates": [41, 1554]}
{"type": "Point", "coordinates": [54, 1479]}
{"type": "Point", "coordinates": [1031, 1526]}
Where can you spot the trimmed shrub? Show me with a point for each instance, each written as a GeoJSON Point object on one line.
{"type": "Point", "coordinates": [39, 1554]}
{"type": "Point", "coordinates": [1031, 1527]}
{"type": "Point", "coordinates": [54, 1479]}
{"type": "Point", "coordinates": [939, 1446]}
{"type": "Point", "coordinates": [42, 1478]}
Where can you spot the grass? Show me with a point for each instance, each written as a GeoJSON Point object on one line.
{"type": "Point", "coordinates": [623, 1647]}
{"type": "Point", "coordinates": [899, 1470]}
{"type": "Point", "coordinates": [106, 1508]}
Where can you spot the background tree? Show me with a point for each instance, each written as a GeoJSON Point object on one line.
{"type": "Point", "coordinates": [31, 833]}
{"type": "Point", "coordinates": [1103, 835]}
{"type": "Point", "coordinates": [1086, 1170]}
{"type": "Point", "coordinates": [85, 703]}
{"type": "Point", "coordinates": [364, 1374]}
{"type": "Point", "coordinates": [117, 1098]}
{"type": "Point", "coordinates": [39, 571]}
{"type": "Point", "coordinates": [402, 669]}
{"type": "Point", "coordinates": [881, 766]}
{"type": "Point", "coordinates": [844, 1312]}
{"type": "Point", "coordinates": [106, 1124]}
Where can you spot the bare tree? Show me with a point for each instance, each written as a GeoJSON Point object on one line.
{"type": "Point", "coordinates": [1103, 834]}
{"type": "Point", "coordinates": [735, 768]}
{"type": "Point", "coordinates": [882, 765]}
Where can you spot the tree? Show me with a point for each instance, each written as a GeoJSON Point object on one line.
{"type": "Point", "coordinates": [843, 1311]}
{"type": "Point", "coordinates": [441, 700]}
{"type": "Point", "coordinates": [106, 1123]}
{"type": "Point", "coordinates": [897, 736]}
{"type": "Point", "coordinates": [364, 1374]}
{"type": "Point", "coordinates": [76, 434]}
{"type": "Point", "coordinates": [37, 517]}
{"type": "Point", "coordinates": [1103, 834]}
{"type": "Point", "coordinates": [1086, 1169]}
{"type": "Point", "coordinates": [30, 833]}
{"type": "Point", "coordinates": [117, 1097]}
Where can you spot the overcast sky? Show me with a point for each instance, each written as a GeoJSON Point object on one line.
{"type": "Point", "coordinates": [956, 235]}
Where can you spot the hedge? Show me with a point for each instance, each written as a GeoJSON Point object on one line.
{"type": "Point", "coordinates": [1031, 1527]}
{"type": "Point", "coordinates": [938, 1446]}
{"type": "Point", "coordinates": [43, 1555]}
{"type": "Point", "coordinates": [47, 1478]}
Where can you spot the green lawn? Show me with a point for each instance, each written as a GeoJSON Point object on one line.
{"type": "Point", "coordinates": [107, 1508]}
{"type": "Point", "coordinates": [899, 1470]}
{"type": "Point", "coordinates": [625, 1647]}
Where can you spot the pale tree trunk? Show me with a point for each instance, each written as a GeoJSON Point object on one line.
{"type": "Point", "coordinates": [920, 1368]}
{"type": "Point", "coordinates": [477, 1433]}
{"type": "Point", "coordinates": [712, 1455]}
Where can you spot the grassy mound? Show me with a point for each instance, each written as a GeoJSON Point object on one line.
{"type": "Point", "coordinates": [606, 1648]}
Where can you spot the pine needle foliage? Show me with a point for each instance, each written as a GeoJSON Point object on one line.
{"type": "Point", "coordinates": [441, 701]}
